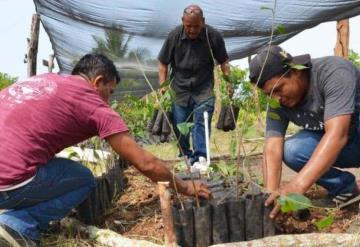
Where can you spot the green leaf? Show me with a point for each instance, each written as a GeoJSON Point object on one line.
{"type": "Point", "coordinates": [165, 84]}
{"type": "Point", "coordinates": [174, 144]}
{"type": "Point", "coordinates": [223, 169]}
{"type": "Point", "coordinates": [233, 144]}
{"type": "Point", "coordinates": [280, 29]}
{"type": "Point", "coordinates": [114, 104]}
{"type": "Point", "coordinates": [266, 8]}
{"type": "Point", "coordinates": [96, 155]}
{"type": "Point", "coordinates": [226, 77]}
{"type": "Point", "coordinates": [250, 132]}
{"type": "Point", "coordinates": [273, 116]}
{"type": "Point", "coordinates": [166, 100]}
{"type": "Point", "coordinates": [297, 66]}
{"type": "Point", "coordinates": [73, 154]}
{"type": "Point", "coordinates": [180, 166]}
{"type": "Point", "coordinates": [216, 178]}
{"type": "Point", "coordinates": [324, 222]}
{"type": "Point", "coordinates": [294, 202]}
{"type": "Point", "coordinates": [184, 128]}
{"type": "Point", "coordinates": [274, 103]}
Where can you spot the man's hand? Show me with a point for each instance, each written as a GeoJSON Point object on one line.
{"type": "Point", "coordinates": [201, 188]}
{"type": "Point", "coordinates": [289, 188]}
{"type": "Point", "coordinates": [163, 90]}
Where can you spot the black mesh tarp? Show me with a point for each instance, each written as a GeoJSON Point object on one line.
{"type": "Point", "coordinates": [127, 30]}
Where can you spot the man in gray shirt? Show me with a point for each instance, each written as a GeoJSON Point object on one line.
{"type": "Point", "coordinates": [190, 50]}
{"type": "Point", "coordinates": [322, 96]}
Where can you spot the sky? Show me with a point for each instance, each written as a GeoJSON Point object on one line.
{"type": "Point", "coordinates": [15, 23]}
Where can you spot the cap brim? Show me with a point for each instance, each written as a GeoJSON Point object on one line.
{"type": "Point", "coordinates": [302, 59]}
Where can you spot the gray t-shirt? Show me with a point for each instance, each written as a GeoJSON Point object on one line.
{"type": "Point", "coordinates": [191, 62]}
{"type": "Point", "coordinates": [334, 90]}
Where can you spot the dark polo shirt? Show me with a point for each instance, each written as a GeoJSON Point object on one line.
{"type": "Point", "coordinates": [192, 64]}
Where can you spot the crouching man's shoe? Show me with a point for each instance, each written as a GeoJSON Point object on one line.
{"type": "Point", "coordinates": [343, 200]}
{"type": "Point", "coordinates": [11, 238]}
{"type": "Point", "coordinates": [346, 199]}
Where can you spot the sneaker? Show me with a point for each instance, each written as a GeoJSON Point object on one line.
{"type": "Point", "coordinates": [347, 199]}
{"type": "Point", "coordinates": [340, 201]}
{"type": "Point", "coordinates": [11, 238]}
{"type": "Point", "coordinates": [200, 165]}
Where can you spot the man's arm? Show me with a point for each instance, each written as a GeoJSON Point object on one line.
{"type": "Point", "coordinates": [225, 67]}
{"type": "Point", "coordinates": [324, 156]}
{"type": "Point", "coordinates": [163, 70]}
{"type": "Point", "coordinates": [152, 167]}
{"type": "Point", "coordinates": [272, 163]}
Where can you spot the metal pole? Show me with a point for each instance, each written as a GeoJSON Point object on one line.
{"type": "Point", "coordinates": [207, 137]}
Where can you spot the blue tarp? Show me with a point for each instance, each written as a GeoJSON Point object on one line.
{"type": "Point", "coordinates": [77, 27]}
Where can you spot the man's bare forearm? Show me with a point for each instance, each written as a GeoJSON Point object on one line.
{"type": "Point", "coordinates": [225, 67]}
{"type": "Point", "coordinates": [163, 70]}
{"type": "Point", "coordinates": [146, 163]}
{"type": "Point", "coordinates": [272, 163]}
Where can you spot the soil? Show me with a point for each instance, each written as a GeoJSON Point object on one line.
{"type": "Point", "coordinates": [137, 213]}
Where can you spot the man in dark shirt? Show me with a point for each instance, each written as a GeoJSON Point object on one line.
{"type": "Point", "coordinates": [321, 95]}
{"type": "Point", "coordinates": [191, 50]}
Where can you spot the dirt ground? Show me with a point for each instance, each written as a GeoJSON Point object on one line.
{"type": "Point", "coordinates": [137, 212]}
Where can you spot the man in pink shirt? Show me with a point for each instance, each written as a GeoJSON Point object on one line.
{"type": "Point", "coordinates": [41, 116]}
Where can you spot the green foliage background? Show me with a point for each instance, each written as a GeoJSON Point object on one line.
{"type": "Point", "coordinates": [136, 113]}
{"type": "Point", "coordinates": [6, 80]}
{"type": "Point", "coordinates": [355, 58]}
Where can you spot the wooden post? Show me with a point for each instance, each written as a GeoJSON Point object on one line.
{"type": "Point", "coordinates": [49, 63]}
{"type": "Point", "coordinates": [342, 42]}
{"type": "Point", "coordinates": [165, 203]}
{"type": "Point", "coordinates": [33, 45]}
{"type": "Point", "coordinates": [217, 82]}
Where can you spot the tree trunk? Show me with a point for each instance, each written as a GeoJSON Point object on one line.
{"type": "Point", "coordinates": [342, 43]}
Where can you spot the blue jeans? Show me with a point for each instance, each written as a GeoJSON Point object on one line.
{"type": "Point", "coordinates": [299, 148]}
{"type": "Point", "coordinates": [193, 112]}
{"type": "Point", "coordinates": [58, 186]}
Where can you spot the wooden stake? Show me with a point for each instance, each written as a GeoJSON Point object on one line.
{"type": "Point", "coordinates": [342, 43]}
{"type": "Point", "coordinates": [165, 203]}
{"type": "Point", "coordinates": [217, 82]}
{"type": "Point", "coordinates": [33, 45]}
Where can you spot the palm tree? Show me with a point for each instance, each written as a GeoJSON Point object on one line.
{"type": "Point", "coordinates": [114, 46]}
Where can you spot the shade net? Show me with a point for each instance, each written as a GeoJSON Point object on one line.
{"type": "Point", "coordinates": [131, 32]}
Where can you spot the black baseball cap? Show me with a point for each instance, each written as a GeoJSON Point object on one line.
{"type": "Point", "coordinates": [277, 63]}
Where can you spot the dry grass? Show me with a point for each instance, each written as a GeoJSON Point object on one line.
{"type": "Point", "coordinates": [220, 144]}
